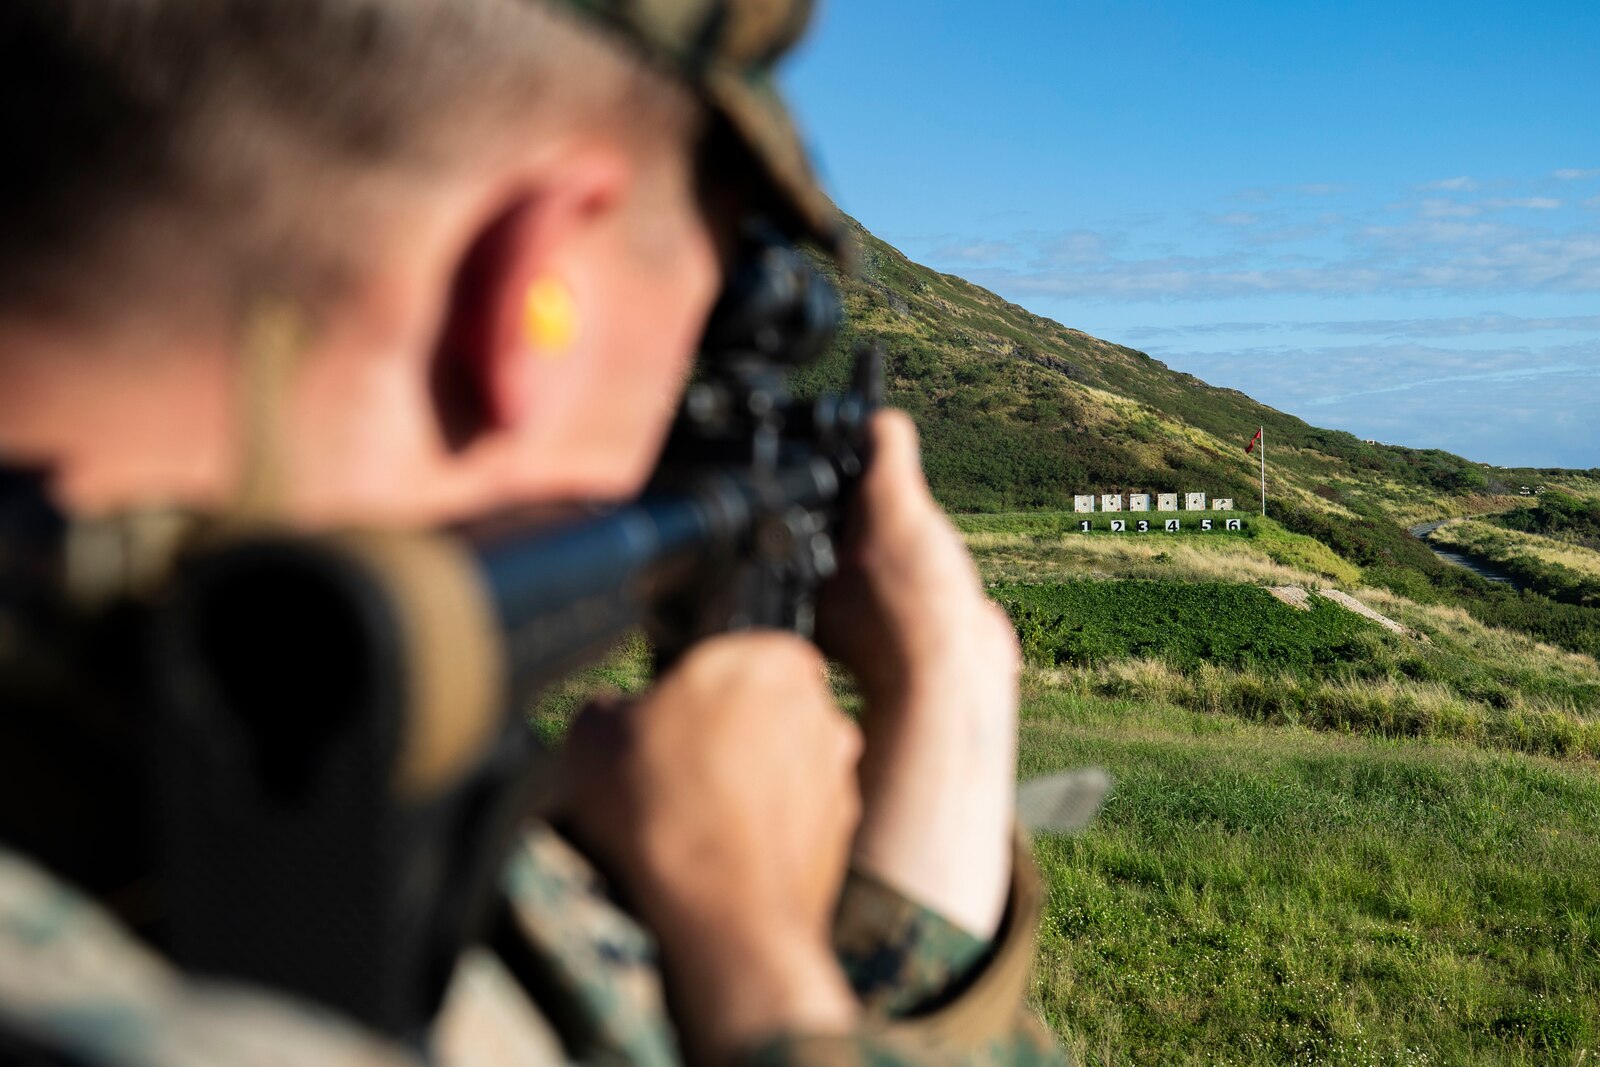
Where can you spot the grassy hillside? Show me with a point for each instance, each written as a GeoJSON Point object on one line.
{"type": "Point", "coordinates": [1560, 569]}
{"type": "Point", "coordinates": [1022, 412]}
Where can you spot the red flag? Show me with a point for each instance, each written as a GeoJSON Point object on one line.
{"type": "Point", "coordinates": [1251, 447]}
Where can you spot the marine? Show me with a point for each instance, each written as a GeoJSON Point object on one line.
{"type": "Point", "coordinates": [318, 264]}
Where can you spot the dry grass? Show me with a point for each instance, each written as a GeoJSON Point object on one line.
{"type": "Point", "coordinates": [1017, 557]}
{"type": "Point", "coordinates": [1385, 707]}
{"type": "Point", "coordinates": [1409, 508]}
{"type": "Point", "coordinates": [1498, 543]}
{"type": "Point", "coordinates": [1453, 629]}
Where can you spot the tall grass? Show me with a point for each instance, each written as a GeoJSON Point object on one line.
{"type": "Point", "coordinates": [1384, 707]}
{"type": "Point", "coordinates": [1560, 569]}
{"type": "Point", "coordinates": [1261, 895]}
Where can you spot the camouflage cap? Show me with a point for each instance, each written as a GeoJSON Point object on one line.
{"type": "Point", "coordinates": [725, 50]}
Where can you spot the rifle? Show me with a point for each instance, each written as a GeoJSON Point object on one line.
{"type": "Point", "coordinates": [339, 754]}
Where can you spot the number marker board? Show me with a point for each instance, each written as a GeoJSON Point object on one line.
{"type": "Point", "coordinates": [1167, 525]}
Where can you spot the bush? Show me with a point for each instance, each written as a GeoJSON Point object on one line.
{"type": "Point", "coordinates": [1185, 624]}
{"type": "Point", "coordinates": [1557, 513]}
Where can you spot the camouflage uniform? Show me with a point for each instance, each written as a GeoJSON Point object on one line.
{"type": "Point", "coordinates": [73, 982]}
{"type": "Point", "coordinates": [77, 987]}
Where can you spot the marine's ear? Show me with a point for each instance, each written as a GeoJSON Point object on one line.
{"type": "Point", "coordinates": [532, 273]}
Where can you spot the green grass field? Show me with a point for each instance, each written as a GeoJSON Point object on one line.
{"type": "Point", "coordinates": [1269, 895]}
{"type": "Point", "coordinates": [1327, 844]}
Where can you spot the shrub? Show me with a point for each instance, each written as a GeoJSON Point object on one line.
{"type": "Point", "coordinates": [1186, 624]}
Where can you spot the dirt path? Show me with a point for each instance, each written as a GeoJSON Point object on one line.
{"type": "Point", "coordinates": [1349, 602]}
{"type": "Point", "coordinates": [1292, 595]}
{"type": "Point", "coordinates": [1300, 599]}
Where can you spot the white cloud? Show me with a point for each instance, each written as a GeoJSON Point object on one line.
{"type": "Point", "coordinates": [1285, 234]}
{"type": "Point", "coordinates": [1440, 256]}
{"type": "Point", "coordinates": [1574, 174]}
{"type": "Point", "coordinates": [1509, 406]}
{"type": "Point", "coordinates": [1451, 244]}
{"type": "Point", "coordinates": [1488, 323]}
{"type": "Point", "coordinates": [982, 252]}
{"type": "Point", "coordinates": [1321, 188]}
{"type": "Point", "coordinates": [1078, 246]}
{"type": "Point", "coordinates": [1435, 208]}
{"type": "Point", "coordinates": [1461, 184]}
{"type": "Point", "coordinates": [1532, 203]}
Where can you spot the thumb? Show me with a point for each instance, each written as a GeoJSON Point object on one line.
{"type": "Point", "coordinates": [894, 483]}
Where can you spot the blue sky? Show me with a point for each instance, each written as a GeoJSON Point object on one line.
{"type": "Point", "coordinates": [1381, 217]}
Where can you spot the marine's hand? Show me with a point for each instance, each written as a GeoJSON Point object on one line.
{"type": "Point", "coordinates": [937, 663]}
{"type": "Point", "coordinates": [725, 802]}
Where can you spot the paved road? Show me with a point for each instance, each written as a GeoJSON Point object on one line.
{"type": "Point", "coordinates": [1482, 568]}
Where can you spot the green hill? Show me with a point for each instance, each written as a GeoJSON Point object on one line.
{"type": "Point", "coordinates": [1020, 413]}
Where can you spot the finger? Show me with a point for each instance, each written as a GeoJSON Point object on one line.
{"type": "Point", "coordinates": [1008, 649]}
{"type": "Point", "coordinates": [782, 648]}
{"type": "Point", "coordinates": [792, 660]}
{"type": "Point", "coordinates": [895, 475]}
{"type": "Point", "coordinates": [895, 437]}
{"type": "Point", "coordinates": [848, 745]}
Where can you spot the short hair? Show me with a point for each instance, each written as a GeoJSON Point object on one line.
{"type": "Point", "coordinates": [234, 130]}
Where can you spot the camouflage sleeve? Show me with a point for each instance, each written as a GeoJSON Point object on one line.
{"type": "Point", "coordinates": [900, 957]}
{"type": "Point", "coordinates": [935, 993]}
{"type": "Point", "coordinates": [1028, 1044]}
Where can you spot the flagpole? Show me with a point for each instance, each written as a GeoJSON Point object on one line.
{"type": "Point", "coordinates": [1263, 433]}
